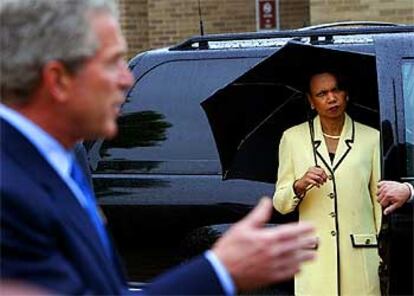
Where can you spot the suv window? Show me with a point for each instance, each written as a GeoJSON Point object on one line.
{"type": "Point", "coordinates": [408, 94]}
{"type": "Point", "coordinates": [165, 126]}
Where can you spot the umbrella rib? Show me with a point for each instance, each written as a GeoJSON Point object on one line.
{"type": "Point", "coordinates": [365, 107]}
{"type": "Point", "coordinates": [267, 83]}
{"type": "Point", "coordinates": [293, 96]}
{"type": "Point", "coordinates": [294, 89]}
{"type": "Point", "coordinates": [262, 83]}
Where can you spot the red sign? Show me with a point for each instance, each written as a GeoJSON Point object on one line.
{"type": "Point", "coordinates": [266, 14]}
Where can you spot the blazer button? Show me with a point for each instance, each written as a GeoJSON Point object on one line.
{"type": "Point", "coordinates": [333, 232]}
{"type": "Point", "coordinates": [367, 241]}
{"type": "Point", "coordinates": [331, 195]}
{"type": "Point", "coordinates": [332, 214]}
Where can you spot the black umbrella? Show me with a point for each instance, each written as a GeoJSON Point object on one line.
{"type": "Point", "coordinates": [249, 115]}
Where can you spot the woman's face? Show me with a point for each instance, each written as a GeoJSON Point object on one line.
{"type": "Point", "coordinates": [325, 97]}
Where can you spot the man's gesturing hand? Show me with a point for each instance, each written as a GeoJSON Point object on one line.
{"type": "Point", "coordinates": [256, 255]}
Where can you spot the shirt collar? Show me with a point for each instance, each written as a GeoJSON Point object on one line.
{"type": "Point", "coordinates": [57, 156]}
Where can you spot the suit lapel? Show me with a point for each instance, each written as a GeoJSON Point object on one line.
{"type": "Point", "coordinates": [321, 149]}
{"type": "Point", "coordinates": [344, 145]}
{"type": "Point", "coordinates": [66, 204]}
{"type": "Point", "coordinates": [345, 142]}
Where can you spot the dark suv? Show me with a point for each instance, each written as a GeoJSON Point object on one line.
{"type": "Point", "coordinates": [159, 182]}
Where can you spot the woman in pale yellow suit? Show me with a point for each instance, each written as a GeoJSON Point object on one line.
{"type": "Point", "coordinates": [337, 193]}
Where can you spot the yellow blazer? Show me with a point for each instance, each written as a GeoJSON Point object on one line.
{"type": "Point", "coordinates": [344, 210]}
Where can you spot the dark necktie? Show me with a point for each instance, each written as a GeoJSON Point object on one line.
{"type": "Point", "coordinates": [90, 204]}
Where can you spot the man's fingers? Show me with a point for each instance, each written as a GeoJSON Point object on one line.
{"type": "Point", "coordinates": [260, 214]}
{"type": "Point", "coordinates": [384, 202]}
{"type": "Point", "coordinates": [391, 208]}
{"type": "Point", "coordinates": [380, 187]}
{"type": "Point", "coordinates": [285, 248]}
{"type": "Point", "coordinates": [380, 199]}
{"type": "Point", "coordinates": [380, 183]}
{"type": "Point", "coordinates": [273, 253]}
{"type": "Point", "coordinates": [309, 242]}
{"type": "Point", "coordinates": [290, 263]}
{"type": "Point", "coordinates": [305, 255]}
{"type": "Point", "coordinates": [290, 231]}
{"type": "Point", "coordinates": [285, 274]}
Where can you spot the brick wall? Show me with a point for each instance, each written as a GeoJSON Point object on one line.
{"type": "Point", "coordinates": [174, 20]}
{"type": "Point", "coordinates": [134, 24]}
{"type": "Point", "coordinates": [151, 24]}
{"type": "Point", "coordinates": [397, 11]}
{"type": "Point", "coordinates": [157, 23]}
{"type": "Point", "coordinates": [294, 14]}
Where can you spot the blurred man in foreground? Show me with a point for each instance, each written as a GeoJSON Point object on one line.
{"type": "Point", "coordinates": [62, 80]}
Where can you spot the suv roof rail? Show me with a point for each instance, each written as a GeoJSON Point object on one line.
{"type": "Point", "coordinates": [326, 31]}
{"type": "Point", "coordinates": [350, 24]}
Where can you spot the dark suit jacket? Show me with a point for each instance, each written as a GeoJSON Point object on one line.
{"type": "Point", "coordinates": [48, 240]}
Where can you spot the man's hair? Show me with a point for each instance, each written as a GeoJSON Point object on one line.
{"type": "Point", "coordinates": [35, 32]}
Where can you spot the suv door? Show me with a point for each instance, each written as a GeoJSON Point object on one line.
{"type": "Point", "coordinates": [395, 64]}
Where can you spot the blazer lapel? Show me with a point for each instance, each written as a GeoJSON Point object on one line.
{"type": "Point", "coordinates": [321, 149]}
{"type": "Point", "coordinates": [344, 145]}
{"type": "Point", "coordinates": [75, 217]}
{"type": "Point", "coordinates": [345, 142]}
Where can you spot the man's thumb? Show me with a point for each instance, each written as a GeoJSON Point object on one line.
{"type": "Point", "coordinates": [261, 213]}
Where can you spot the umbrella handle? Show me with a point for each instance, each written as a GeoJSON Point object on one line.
{"type": "Point", "coordinates": [306, 190]}
{"type": "Point", "coordinates": [309, 187]}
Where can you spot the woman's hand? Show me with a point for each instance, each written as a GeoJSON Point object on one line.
{"type": "Point", "coordinates": [315, 176]}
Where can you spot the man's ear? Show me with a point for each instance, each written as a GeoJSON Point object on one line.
{"type": "Point", "coordinates": [57, 80]}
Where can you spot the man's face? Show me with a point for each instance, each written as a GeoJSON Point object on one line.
{"type": "Point", "coordinates": [325, 96]}
{"type": "Point", "coordinates": [98, 88]}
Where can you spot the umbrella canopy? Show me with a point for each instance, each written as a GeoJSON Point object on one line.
{"type": "Point", "coordinates": [250, 114]}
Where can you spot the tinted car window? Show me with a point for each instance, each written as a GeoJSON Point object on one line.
{"type": "Point", "coordinates": [163, 127]}
{"type": "Point", "coordinates": [408, 94]}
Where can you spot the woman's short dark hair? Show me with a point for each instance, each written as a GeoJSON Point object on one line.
{"type": "Point", "coordinates": [341, 79]}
